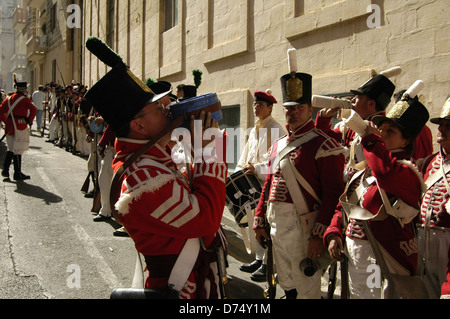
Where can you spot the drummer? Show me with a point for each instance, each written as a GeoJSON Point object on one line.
{"type": "Point", "coordinates": [254, 159]}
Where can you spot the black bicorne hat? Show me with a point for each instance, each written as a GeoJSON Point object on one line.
{"type": "Point", "coordinates": [378, 88]}
{"type": "Point", "coordinates": [119, 96]}
{"type": "Point", "coordinates": [296, 88]}
{"type": "Point", "coordinates": [410, 115]}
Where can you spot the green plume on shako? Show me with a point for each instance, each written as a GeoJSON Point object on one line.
{"type": "Point", "coordinates": [197, 77]}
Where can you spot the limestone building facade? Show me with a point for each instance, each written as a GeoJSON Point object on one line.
{"type": "Point", "coordinates": [241, 45]}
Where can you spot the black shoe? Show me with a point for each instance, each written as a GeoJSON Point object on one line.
{"type": "Point", "coordinates": [260, 275]}
{"type": "Point", "coordinates": [89, 195]}
{"type": "Point", "coordinates": [21, 177]}
{"type": "Point", "coordinates": [101, 218]}
{"type": "Point", "coordinates": [5, 173]}
{"type": "Point", "coordinates": [251, 267]}
{"type": "Point", "coordinates": [121, 232]}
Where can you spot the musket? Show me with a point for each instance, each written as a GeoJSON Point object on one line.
{"type": "Point", "coordinates": [332, 272]}
{"type": "Point", "coordinates": [271, 290]}
{"type": "Point", "coordinates": [344, 264]}
{"type": "Point", "coordinates": [87, 181]}
{"type": "Point", "coordinates": [74, 133]}
{"type": "Point", "coordinates": [45, 119]}
{"type": "Point", "coordinates": [97, 204]}
{"type": "Point", "coordinates": [221, 254]}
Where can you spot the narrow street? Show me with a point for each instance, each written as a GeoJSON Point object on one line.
{"type": "Point", "coordinates": [50, 248]}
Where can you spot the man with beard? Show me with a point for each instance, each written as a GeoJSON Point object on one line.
{"type": "Point", "coordinates": [302, 192]}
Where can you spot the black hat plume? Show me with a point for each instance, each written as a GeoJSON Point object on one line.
{"type": "Point", "coordinates": [102, 51]}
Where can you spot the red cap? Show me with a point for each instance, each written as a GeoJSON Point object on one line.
{"type": "Point", "coordinates": [265, 97]}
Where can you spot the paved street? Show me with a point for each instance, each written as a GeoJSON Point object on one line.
{"type": "Point", "coordinates": [51, 249]}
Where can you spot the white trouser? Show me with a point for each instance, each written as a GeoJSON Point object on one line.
{"type": "Point", "coordinates": [360, 257]}
{"type": "Point", "coordinates": [290, 247]}
{"type": "Point", "coordinates": [104, 180]}
{"type": "Point", "coordinates": [434, 254]}
{"type": "Point", "coordinates": [53, 128]}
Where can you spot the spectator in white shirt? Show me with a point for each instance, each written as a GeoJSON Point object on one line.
{"type": "Point", "coordinates": [38, 98]}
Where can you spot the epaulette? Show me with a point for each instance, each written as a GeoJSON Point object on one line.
{"type": "Point", "coordinates": [329, 147]}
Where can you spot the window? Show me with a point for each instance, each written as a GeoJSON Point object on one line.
{"type": "Point", "coordinates": [231, 122]}
{"type": "Point", "coordinates": [170, 14]}
{"type": "Point", "coordinates": [53, 17]}
{"type": "Point", "coordinates": [111, 23]}
{"type": "Point", "coordinates": [54, 71]}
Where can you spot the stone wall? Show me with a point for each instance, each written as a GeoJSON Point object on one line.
{"type": "Point", "coordinates": [241, 45]}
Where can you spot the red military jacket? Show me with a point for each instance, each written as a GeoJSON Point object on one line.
{"type": "Point", "coordinates": [321, 162]}
{"type": "Point", "coordinates": [435, 199]}
{"type": "Point", "coordinates": [423, 145]}
{"type": "Point", "coordinates": [436, 196]}
{"type": "Point", "coordinates": [160, 211]}
{"type": "Point", "coordinates": [23, 113]}
{"type": "Point", "coordinates": [398, 178]}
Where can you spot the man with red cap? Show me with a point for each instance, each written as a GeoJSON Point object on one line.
{"type": "Point", "coordinates": [254, 159]}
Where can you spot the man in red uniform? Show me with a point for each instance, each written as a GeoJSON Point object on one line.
{"type": "Point", "coordinates": [370, 100]}
{"type": "Point", "coordinates": [423, 146]}
{"type": "Point", "coordinates": [17, 111]}
{"type": "Point", "coordinates": [434, 221]}
{"type": "Point", "coordinates": [172, 220]}
{"type": "Point", "coordinates": [389, 174]}
{"type": "Point", "coordinates": [299, 210]}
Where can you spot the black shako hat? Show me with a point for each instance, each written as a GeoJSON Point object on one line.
{"type": "Point", "coordinates": [445, 113]}
{"type": "Point", "coordinates": [162, 87]}
{"type": "Point", "coordinates": [119, 96]}
{"type": "Point", "coordinates": [410, 115]}
{"type": "Point", "coordinates": [378, 88]}
{"type": "Point", "coordinates": [21, 85]}
{"type": "Point", "coordinates": [296, 88]}
{"type": "Point", "coordinates": [189, 91]}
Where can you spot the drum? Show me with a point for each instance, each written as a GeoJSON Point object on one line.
{"type": "Point", "coordinates": [208, 102]}
{"type": "Point", "coordinates": [243, 193]}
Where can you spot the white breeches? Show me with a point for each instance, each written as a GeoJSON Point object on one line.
{"type": "Point", "coordinates": [290, 247]}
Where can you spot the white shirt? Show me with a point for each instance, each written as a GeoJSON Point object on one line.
{"type": "Point", "coordinates": [38, 99]}
{"type": "Point", "coordinates": [256, 149]}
